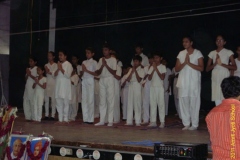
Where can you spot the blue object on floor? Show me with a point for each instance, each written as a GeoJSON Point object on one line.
{"type": "Point", "coordinates": [147, 143]}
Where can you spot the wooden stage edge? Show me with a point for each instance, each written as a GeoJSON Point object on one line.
{"type": "Point", "coordinates": [113, 138]}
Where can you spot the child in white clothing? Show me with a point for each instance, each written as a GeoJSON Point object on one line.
{"type": "Point", "coordinates": [107, 67]}
{"type": "Point", "coordinates": [135, 76]}
{"type": "Point", "coordinates": [31, 74]}
{"type": "Point", "coordinates": [50, 69]}
{"type": "Point", "coordinates": [63, 92]}
{"type": "Point", "coordinates": [89, 67]}
{"type": "Point", "coordinates": [146, 83]}
{"type": "Point", "coordinates": [38, 98]}
{"type": "Point", "coordinates": [75, 61]}
{"type": "Point", "coordinates": [73, 105]}
{"type": "Point", "coordinates": [156, 76]}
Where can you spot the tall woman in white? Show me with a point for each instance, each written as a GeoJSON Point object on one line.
{"type": "Point", "coordinates": [189, 65]}
{"type": "Point", "coordinates": [50, 69]}
{"type": "Point", "coordinates": [218, 61]}
{"type": "Point", "coordinates": [63, 87]}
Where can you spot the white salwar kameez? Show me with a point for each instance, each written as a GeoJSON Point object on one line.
{"type": "Point", "coordinates": [219, 73]}
{"type": "Point", "coordinates": [38, 99]}
{"type": "Point", "coordinates": [157, 95]}
{"type": "Point", "coordinates": [50, 90]}
{"type": "Point", "coordinates": [106, 88]}
{"type": "Point", "coordinates": [88, 91]}
{"type": "Point", "coordinates": [28, 95]}
{"type": "Point", "coordinates": [63, 93]}
{"type": "Point", "coordinates": [189, 87]}
{"type": "Point", "coordinates": [135, 97]}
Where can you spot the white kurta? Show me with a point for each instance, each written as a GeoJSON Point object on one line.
{"type": "Point", "coordinates": [124, 96]}
{"type": "Point", "coordinates": [63, 82]}
{"type": "Point", "coordinates": [63, 93]}
{"type": "Point", "coordinates": [116, 112]}
{"type": "Point", "coordinates": [39, 99]}
{"type": "Point", "coordinates": [189, 87]}
{"type": "Point", "coordinates": [106, 88]}
{"type": "Point", "coordinates": [237, 72]}
{"type": "Point", "coordinates": [74, 101]}
{"type": "Point", "coordinates": [134, 97]}
{"type": "Point", "coordinates": [28, 95]}
{"type": "Point", "coordinates": [189, 79]}
{"type": "Point", "coordinates": [157, 95]}
{"type": "Point", "coordinates": [145, 61]}
{"type": "Point", "coordinates": [146, 96]}
{"type": "Point", "coordinates": [50, 89]}
{"type": "Point", "coordinates": [219, 72]}
{"type": "Point", "coordinates": [28, 92]}
{"type": "Point", "coordinates": [166, 94]}
{"type": "Point", "coordinates": [88, 91]}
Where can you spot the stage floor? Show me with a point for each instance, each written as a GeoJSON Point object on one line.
{"type": "Point", "coordinates": [77, 133]}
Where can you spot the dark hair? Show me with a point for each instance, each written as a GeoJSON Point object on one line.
{"type": "Point", "coordinates": [114, 53]}
{"type": "Point", "coordinates": [90, 49]}
{"type": "Point", "coordinates": [221, 35]}
{"type": "Point", "coordinates": [33, 58]}
{"type": "Point", "coordinates": [140, 45]}
{"type": "Point", "coordinates": [74, 55]}
{"type": "Point", "coordinates": [53, 54]}
{"type": "Point", "coordinates": [41, 67]}
{"type": "Point", "coordinates": [231, 87]}
{"type": "Point", "coordinates": [64, 52]}
{"type": "Point", "coordinates": [106, 45]}
{"type": "Point", "coordinates": [137, 57]}
{"type": "Point", "coordinates": [188, 37]}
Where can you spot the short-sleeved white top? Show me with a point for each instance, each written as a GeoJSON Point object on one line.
{"type": "Point", "coordinates": [91, 65]}
{"type": "Point", "coordinates": [140, 72]}
{"type": "Point", "coordinates": [112, 63]}
{"type": "Point", "coordinates": [156, 80]}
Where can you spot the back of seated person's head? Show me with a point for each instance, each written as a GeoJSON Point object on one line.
{"type": "Point", "coordinates": [231, 87]}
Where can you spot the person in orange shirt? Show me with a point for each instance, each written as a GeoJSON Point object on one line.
{"type": "Point", "coordinates": [223, 122]}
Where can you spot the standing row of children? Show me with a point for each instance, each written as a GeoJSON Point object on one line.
{"type": "Point", "coordinates": [144, 87]}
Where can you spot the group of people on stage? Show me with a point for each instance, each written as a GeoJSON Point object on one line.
{"type": "Point", "coordinates": [144, 86]}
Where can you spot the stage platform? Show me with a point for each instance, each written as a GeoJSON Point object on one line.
{"type": "Point", "coordinates": [116, 137]}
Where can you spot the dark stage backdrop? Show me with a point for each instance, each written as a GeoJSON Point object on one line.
{"type": "Point", "coordinates": [162, 35]}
